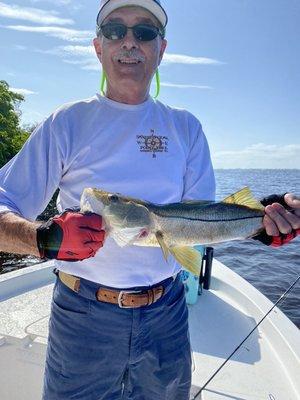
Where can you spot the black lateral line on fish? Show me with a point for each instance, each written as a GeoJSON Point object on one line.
{"type": "Point", "coordinates": [209, 220]}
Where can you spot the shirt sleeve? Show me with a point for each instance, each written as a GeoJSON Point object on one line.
{"type": "Point", "coordinates": [199, 177]}
{"type": "Point", "coordinates": [29, 180]}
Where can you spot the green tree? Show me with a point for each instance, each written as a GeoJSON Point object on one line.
{"type": "Point", "coordinates": [12, 136]}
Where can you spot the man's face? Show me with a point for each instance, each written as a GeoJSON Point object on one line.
{"type": "Point", "coordinates": [129, 61]}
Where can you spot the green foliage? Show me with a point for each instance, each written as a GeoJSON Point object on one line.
{"type": "Point", "coordinates": [12, 136]}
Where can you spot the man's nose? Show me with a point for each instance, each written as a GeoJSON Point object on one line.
{"type": "Point", "coordinates": [129, 41]}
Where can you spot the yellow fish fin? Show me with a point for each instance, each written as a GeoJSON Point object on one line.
{"type": "Point", "coordinates": [244, 197]}
{"type": "Point", "coordinates": [188, 257]}
{"type": "Point", "coordinates": [164, 247]}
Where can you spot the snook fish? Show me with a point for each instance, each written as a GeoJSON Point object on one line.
{"type": "Point", "coordinates": [176, 227]}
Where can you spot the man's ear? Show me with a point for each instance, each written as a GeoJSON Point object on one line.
{"type": "Point", "coordinates": [162, 49]}
{"type": "Point", "coordinates": [98, 48]}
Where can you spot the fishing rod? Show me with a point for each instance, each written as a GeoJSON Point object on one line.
{"type": "Point", "coordinates": [234, 351]}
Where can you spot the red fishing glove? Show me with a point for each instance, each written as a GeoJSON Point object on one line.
{"type": "Point", "coordinates": [71, 236]}
{"type": "Point", "coordinates": [276, 241]}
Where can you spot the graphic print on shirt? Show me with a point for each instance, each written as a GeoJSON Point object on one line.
{"type": "Point", "coordinates": [153, 143]}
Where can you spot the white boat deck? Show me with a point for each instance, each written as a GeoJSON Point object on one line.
{"type": "Point", "coordinates": [266, 367]}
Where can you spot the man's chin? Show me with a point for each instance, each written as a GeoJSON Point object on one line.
{"type": "Point", "coordinates": [134, 69]}
{"type": "Point", "coordinates": [129, 74]}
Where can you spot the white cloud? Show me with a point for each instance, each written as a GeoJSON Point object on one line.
{"type": "Point", "coordinates": [31, 117]}
{"type": "Point", "coordinates": [75, 51]}
{"type": "Point", "coordinates": [92, 65]}
{"type": "Point", "coordinates": [70, 35]}
{"type": "Point", "coordinates": [72, 6]}
{"type": "Point", "coordinates": [184, 86]}
{"type": "Point", "coordinates": [86, 58]}
{"type": "Point", "coordinates": [35, 15]}
{"type": "Point", "coordinates": [259, 155]}
{"type": "Point", "coordinates": [54, 2]}
{"type": "Point", "coordinates": [24, 92]}
{"type": "Point", "coordinates": [183, 59]}
{"type": "Point", "coordinates": [19, 47]}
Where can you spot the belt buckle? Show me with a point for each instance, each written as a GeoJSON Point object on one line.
{"type": "Point", "coordinates": [122, 292]}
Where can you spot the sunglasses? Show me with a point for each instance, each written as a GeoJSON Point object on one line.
{"type": "Point", "coordinates": [141, 32]}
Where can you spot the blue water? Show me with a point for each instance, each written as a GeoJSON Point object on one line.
{"type": "Point", "coordinates": [270, 270]}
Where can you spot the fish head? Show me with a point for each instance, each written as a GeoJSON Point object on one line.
{"type": "Point", "coordinates": [126, 219]}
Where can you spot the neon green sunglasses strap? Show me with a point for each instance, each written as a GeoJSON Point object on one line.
{"type": "Point", "coordinates": [102, 84]}
{"type": "Point", "coordinates": [157, 77]}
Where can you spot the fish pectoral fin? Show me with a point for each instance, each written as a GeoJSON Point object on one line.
{"type": "Point", "coordinates": [164, 247]}
{"type": "Point", "coordinates": [125, 236]}
{"type": "Point", "coordinates": [244, 197]}
{"type": "Point", "coordinates": [188, 257]}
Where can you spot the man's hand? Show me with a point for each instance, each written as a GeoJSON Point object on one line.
{"type": "Point", "coordinates": [278, 220]}
{"type": "Point", "coordinates": [281, 221]}
{"type": "Point", "coordinates": [71, 236]}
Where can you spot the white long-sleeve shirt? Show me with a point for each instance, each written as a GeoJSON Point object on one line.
{"type": "Point", "coordinates": [148, 151]}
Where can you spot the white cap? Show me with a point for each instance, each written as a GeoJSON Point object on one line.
{"type": "Point", "coordinates": [154, 6]}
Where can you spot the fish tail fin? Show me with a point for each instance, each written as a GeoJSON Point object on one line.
{"type": "Point", "coordinates": [244, 197]}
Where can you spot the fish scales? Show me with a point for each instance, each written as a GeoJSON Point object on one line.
{"type": "Point", "coordinates": [176, 227]}
{"type": "Point", "coordinates": [188, 224]}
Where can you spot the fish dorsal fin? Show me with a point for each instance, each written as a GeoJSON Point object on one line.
{"type": "Point", "coordinates": [164, 247]}
{"type": "Point", "coordinates": [188, 257]}
{"type": "Point", "coordinates": [244, 197]}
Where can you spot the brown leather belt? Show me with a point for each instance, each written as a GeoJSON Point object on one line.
{"type": "Point", "coordinates": [124, 298]}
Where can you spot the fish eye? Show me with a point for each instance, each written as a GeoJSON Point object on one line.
{"type": "Point", "coordinates": [113, 198]}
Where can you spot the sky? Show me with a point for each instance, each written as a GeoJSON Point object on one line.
{"type": "Point", "coordinates": [235, 64]}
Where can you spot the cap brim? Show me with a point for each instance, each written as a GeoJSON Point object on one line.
{"type": "Point", "coordinates": [150, 5]}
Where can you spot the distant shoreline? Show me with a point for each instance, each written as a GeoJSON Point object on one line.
{"type": "Point", "coordinates": [257, 169]}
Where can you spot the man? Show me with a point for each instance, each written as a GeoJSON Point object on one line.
{"type": "Point", "coordinates": [118, 326]}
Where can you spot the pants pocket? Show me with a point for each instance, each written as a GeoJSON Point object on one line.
{"type": "Point", "coordinates": [69, 301]}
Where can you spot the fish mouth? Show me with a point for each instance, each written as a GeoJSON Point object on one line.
{"type": "Point", "coordinates": [91, 202]}
{"type": "Point", "coordinates": [100, 195]}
